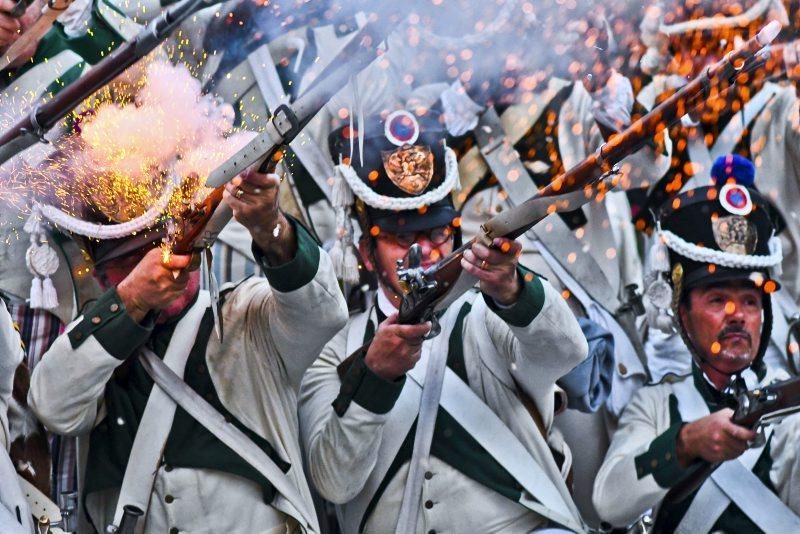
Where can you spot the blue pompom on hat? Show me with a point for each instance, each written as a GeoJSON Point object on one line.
{"type": "Point", "coordinates": [733, 166]}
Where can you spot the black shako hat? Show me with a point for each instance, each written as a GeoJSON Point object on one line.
{"type": "Point", "coordinates": [399, 169]}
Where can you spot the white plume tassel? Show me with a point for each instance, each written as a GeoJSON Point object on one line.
{"type": "Point", "coordinates": [42, 262]}
{"type": "Point", "coordinates": [658, 256]}
{"type": "Point", "coordinates": [49, 294]}
{"type": "Point", "coordinates": [345, 262]}
{"type": "Point", "coordinates": [35, 300]}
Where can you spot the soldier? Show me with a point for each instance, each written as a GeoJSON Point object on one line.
{"type": "Point", "coordinates": [757, 121]}
{"type": "Point", "coordinates": [181, 469]}
{"type": "Point", "coordinates": [500, 350]}
{"type": "Point", "coordinates": [720, 242]}
{"type": "Point", "coordinates": [81, 36]}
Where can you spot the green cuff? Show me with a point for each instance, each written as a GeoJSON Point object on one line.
{"type": "Point", "coordinates": [528, 304]}
{"type": "Point", "coordinates": [367, 389]}
{"type": "Point", "coordinates": [298, 271]}
{"type": "Point", "coordinates": [111, 326]}
{"type": "Point", "coordinates": [661, 459]}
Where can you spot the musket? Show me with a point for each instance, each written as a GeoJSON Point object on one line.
{"type": "Point", "coordinates": [435, 287]}
{"type": "Point", "coordinates": [44, 116]}
{"type": "Point", "coordinates": [757, 408]}
{"type": "Point", "coordinates": [198, 227]}
{"type": "Point", "coordinates": [583, 178]}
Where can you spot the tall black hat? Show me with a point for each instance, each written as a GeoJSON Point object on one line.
{"type": "Point", "coordinates": [398, 171]}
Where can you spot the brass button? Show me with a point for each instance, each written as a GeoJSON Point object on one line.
{"type": "Point", "coordinates": [622, 369]}
{"type": "Point", "coordinates": [78, 335]}
{"type": "Point", "coordinates": [668, 456]}
{"type": "Point", "coordinates": [428, 504]}
{"type": "Point", "coordinates": [428, 475]}
{"type": "Point", "coordinates": [114, 307]}
{"type": "Point", "coordinates": [168, 499]}
{"type": "Point", "coordinates": [96, 319]}
{"type": "Point", "coordinates": [654, 463]}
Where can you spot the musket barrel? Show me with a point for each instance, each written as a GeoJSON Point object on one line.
{"type": "Point", "coordinates": [43, 117]}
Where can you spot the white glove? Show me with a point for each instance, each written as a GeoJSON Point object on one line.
{"type": "Point", "coordinates": [613, 103]}
{"type": "Point", "coordinates": [460, 111]}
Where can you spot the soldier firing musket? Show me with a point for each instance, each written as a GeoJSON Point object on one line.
{"type": "Point", "coordinates": [717, 255]}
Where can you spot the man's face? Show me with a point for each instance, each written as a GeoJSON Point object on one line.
{"type": "Point", "coordinates": [112, 272]}
{"type": "Point", "coordinates": [390, 247]}
{"type": "Point", "coordinates": [724, 323]}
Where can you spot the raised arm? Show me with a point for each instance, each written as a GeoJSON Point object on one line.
{"type": "Point", "coordinates": [528, 322]}
{"type": "Point", "coordinates": [303, 306]}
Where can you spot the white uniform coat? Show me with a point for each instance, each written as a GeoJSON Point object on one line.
{"type": "Point", "coordinates": [271, 337]}
{"type": "Point", "coordinates": [343, 450]}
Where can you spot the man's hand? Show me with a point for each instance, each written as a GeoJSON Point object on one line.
{"type": "Point", "coordinates": [152, 284]}
{"type": "Point", "coordinates": [714, 438]}
{"type": "Point", "coordinates": [395, 349]}
{"type": "Point", "coordinates": [9, 26]}
{"type": "Point", "coordinates": [253, 197]}
{"type": "Point", "coordinates": [496, 268]}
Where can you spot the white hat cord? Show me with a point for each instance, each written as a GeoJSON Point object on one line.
{"type": "Point", "coordinates": [383, 202]}
{"type": "Point", "coordinates": [42, 260]}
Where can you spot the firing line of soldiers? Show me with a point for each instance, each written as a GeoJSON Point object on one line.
{"type": "Point", "coordinates": [596, 363]}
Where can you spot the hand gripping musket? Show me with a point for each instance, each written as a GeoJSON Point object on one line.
{"type": "Point", "coordinates": [44, 116]}
{"type": "Point", "coordinates": [757, 408]}
{"type": "Point", "coordinates": [51, 11]}
{"type": "Point", "coordinates": [427, 290]}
